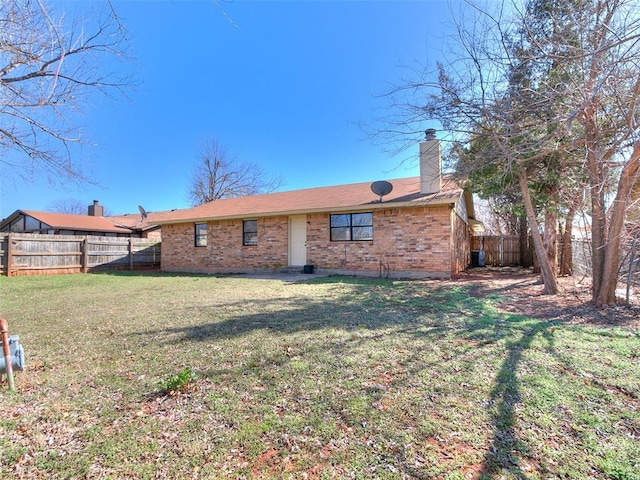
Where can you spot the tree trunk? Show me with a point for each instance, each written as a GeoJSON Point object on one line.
{"type": "Point", "coordinates": [606, 293]}
{"type": "Point", "coordinates": [525, 258]}
{"type": "Point", "coordinates": [548, 274]}
{"type": "Point", "coordinates": [566, 257]}
{"type": "Point", "coordinates": [550, 239]}
{"type": "Point", "coordinates": [597, 182]}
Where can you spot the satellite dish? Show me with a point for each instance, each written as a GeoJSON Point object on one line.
{"type": "Point", "coordinates": [381, 188]}
{"type": "Point", "coordinates": [143, 212]}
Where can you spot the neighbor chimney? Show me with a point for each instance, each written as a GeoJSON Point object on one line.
{"type": "Point", "coordinates": [96, 210]}
{"type": "Point", "coordinates": [430, 163]}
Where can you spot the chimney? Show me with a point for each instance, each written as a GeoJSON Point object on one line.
{"type": "Point", "coordinates": [96, 210]}
{"type": "Point", "coordinates": [430, 163]}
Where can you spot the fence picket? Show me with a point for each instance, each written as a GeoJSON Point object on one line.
{"type": "Point", "coordinates": [499, 250]}
{"type": "Point", "coordinates": [41, 253]}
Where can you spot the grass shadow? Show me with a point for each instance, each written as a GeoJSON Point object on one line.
{"type": "Point", "coordinates": [505, 446]}
{"type": "Point", "coordinates": [417, 379]}
{"type": "Point", "coordinates": [372, 309]}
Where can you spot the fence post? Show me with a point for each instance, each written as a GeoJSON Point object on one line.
{"type": "Point", "coordinates": [9, 253]}
{"type": "Point", "coordinates": [84, 249]}
{"type": "Point", "coordinates": [130, 253]}
{"type": "Point", "coordinates": [4, 256]}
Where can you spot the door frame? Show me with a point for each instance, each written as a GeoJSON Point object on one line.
{"type": "Point", "coordinates": [297, 240]}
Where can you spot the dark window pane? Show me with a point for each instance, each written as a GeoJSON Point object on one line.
{"type": "Point", "coordinates": [17, 225]}
{"type": "Point", "coordinates": [340, 220]}
{"type": "Point", "coordinates": [340, 234]}
{"type": "Point", "coordinates": [32, 223]}
{"type": "Point", "coordinates": [251, 226]}
{"type": "Point", "coordinates": [250, 238]}
{"type": "Point", "coordinates": [201, 235]}
{"type": "Point", "coordinates": [362, 233]}
{"type": "Point", "coordinates": [362, 219]}
{"type": "Point", "coordinates": [250, 232]}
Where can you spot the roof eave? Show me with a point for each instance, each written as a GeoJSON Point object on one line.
{"type": "Point", "coordinates": [445, 200]}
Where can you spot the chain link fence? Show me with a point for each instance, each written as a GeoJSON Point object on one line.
{"type": "Point", "coordinates": [628, 275]}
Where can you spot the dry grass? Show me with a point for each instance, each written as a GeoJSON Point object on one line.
{"type": "Point", "coordinates": [330, 378]}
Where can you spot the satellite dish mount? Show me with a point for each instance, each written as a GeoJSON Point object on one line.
{"type": "Point", "coordinates": [143, 212]}
{"type": "Point", "coordinates": [381, 188]}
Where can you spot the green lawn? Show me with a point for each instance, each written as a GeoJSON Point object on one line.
{"type": "Point", "coordinates": [330, 378]}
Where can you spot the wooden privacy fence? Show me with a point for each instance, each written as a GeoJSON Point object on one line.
{"type": "Point", "coordinates": [38, 254]}
{"type": "Point", "coordinates": [503, 250]}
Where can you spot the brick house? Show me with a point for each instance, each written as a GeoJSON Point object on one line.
{"type": "Point", "coordinates": [421, 228]}
{"type": "Point", "coordinates": [94, 223]}
{"type": "Point", "coordinates": [30, 221]}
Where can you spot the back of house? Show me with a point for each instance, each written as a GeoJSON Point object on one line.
{"type": "Point", "coordinates": [414, 227]}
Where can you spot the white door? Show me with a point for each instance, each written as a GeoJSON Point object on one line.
{"type": "Point", "coordinates": [297, 240]}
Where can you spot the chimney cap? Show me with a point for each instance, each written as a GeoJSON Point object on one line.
{"type": "Point", "coordinates": [430, 134]}
{"type": "Point", "coordinates": [96, 202]}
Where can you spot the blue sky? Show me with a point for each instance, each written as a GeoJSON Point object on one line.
{"type": "Point", "coordinates": [284, 86]}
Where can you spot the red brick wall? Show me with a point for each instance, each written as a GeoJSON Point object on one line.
{"type": "Point", "coordinates": [224, 250]}
{"type": "Point", "coordinates": [407, 242]}
{"type": "Point", "coordinates": [153, 234]}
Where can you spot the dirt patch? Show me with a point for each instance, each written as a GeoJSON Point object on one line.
{"type": "Point", "coordinates": [520, 292]}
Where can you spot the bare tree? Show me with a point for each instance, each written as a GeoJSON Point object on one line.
{"type": "Point", "coordinates": [607, 108]}
{"type": "Point", "coordinates": [49, 63]}
{"type": "Point", "coordinates": [551, 89]}
{"type": "Point", "coordinates": [219, 175]}
{"type": "Point", "coordinates": [474, 98]}
{"type": "Point", "coordinates": [73, 206]}
{"type": "Point", "coordinates": [67, 205]}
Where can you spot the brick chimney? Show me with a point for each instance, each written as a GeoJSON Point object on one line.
{"type": "Point", "coordinates": [96, 210]}
{"type": "Point", "coordinates": [430, 163]}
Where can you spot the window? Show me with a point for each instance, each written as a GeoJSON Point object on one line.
{"type": "Point", "coordinates": [201, 235]}
{"type": "Point", "coordinates": [17, 225]}
{"type": "Point", "coordinates": [31, 224]}
{"type": "Point", "coordinates": [352, 227]}
{"type": "Point", "coordinates": [250, 232]}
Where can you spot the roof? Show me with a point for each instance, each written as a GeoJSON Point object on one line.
{"type": "Point", "coordinates": [134, 221]}
{"type": "Point", "coordinates": [355, 196]}
{"type": "Point", "coordinates": [67, 221]}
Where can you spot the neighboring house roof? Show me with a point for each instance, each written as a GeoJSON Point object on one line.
{"type": "Point", "coordinates": [355, 196]}
{"type": "Point", "coordinates": [66, 221]}
{"type": "Point", "coordinates": [134, 221]}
